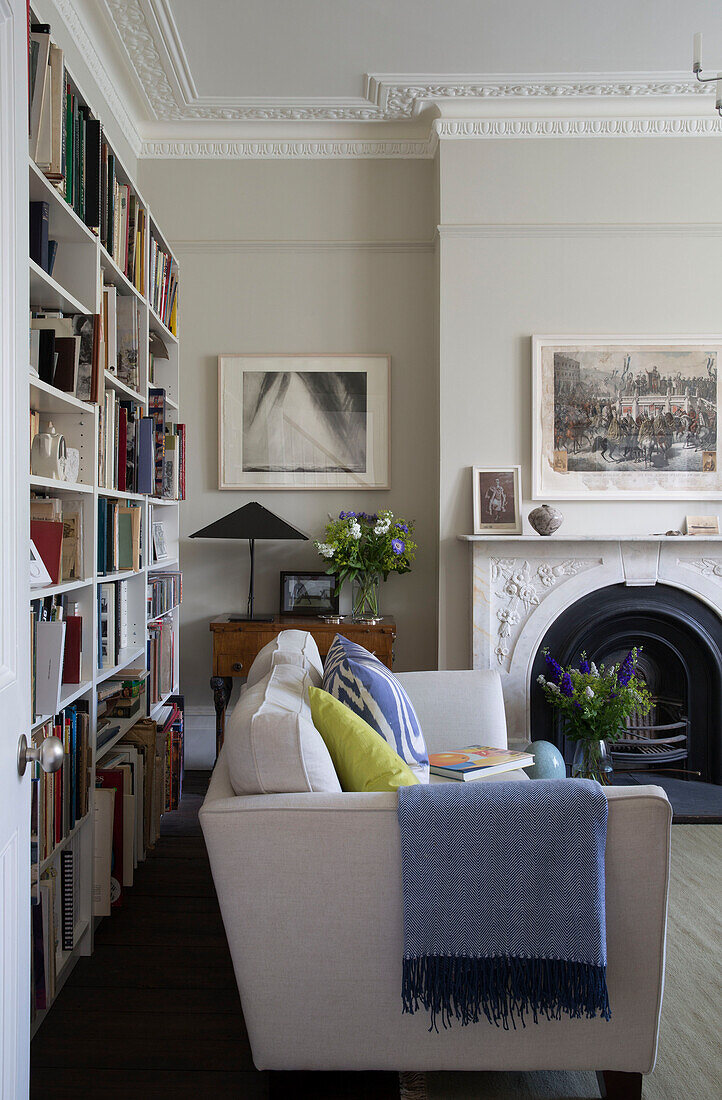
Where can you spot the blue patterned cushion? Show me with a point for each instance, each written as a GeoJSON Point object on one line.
{"type": "Point", "coordinates": [357, 678]}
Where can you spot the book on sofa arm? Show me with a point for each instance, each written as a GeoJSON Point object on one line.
{"type": "Point", "coordinates": [477, 762]}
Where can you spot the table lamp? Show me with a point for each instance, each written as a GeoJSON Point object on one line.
{"type": "Point", "coordinates": [251, 522]}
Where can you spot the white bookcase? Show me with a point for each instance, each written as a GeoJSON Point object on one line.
{"type": "Point", "coordinates": [82, 267]}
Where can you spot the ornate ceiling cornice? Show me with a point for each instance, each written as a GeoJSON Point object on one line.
{"type": "Point", "coordinates": [185, 124]}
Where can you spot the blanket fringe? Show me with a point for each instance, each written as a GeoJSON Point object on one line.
{"type": "Point", "coordinates": [503, 988]}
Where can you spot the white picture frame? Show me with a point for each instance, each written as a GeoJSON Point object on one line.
{"type": "Point", "coordinates": [635, 472]}
{"type": "Point", "coordinates": [304, 421]}
{"type": "Point", "coordinates": [497, 500]}
{"type": "Point", "coordinates": [160, 549]}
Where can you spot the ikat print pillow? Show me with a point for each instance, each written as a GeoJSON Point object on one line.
{"type": "Point", "coordinates": [357, 678]}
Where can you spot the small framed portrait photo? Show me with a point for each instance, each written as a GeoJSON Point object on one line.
{"type": "Point", "coordinates": [309, 594]}
{"type": "Point", "coordinates": [497, 500]}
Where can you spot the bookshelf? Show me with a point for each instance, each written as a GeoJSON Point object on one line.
{"type": "Point", "coordinates": [85, 265]}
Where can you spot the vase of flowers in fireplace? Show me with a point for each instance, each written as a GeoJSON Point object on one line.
{"type": "Point", "coordinates": [594, 704]}
{"type": "Point", "coordinates": [365, 549]}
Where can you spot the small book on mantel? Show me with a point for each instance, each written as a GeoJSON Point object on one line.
{"type": "Point", "coordinates": [477, 762]}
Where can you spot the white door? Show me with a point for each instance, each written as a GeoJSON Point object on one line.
{"type": "Point", "coordinates": [14, 556]}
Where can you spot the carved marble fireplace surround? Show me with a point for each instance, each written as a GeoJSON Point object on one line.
{"type": "Point", "coordinates": [521, 584]}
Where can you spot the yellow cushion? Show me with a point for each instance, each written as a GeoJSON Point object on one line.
{"type": "Point", "coordinates": [362, 759]}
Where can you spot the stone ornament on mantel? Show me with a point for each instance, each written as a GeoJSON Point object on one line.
{"type": "Point", "coordinates": [519, 591]}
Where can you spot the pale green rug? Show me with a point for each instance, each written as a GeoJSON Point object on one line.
{"type": "Point", "coordinates": [689, 1065]}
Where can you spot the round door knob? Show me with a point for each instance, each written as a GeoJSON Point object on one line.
{"type": "Point", "coordinates": [48, 754]}
{"type": "Point", "coordinates": [238, 666]}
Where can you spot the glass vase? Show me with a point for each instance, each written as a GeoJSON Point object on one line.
{"type": "Point", "coordinates": [365, 598]}
{"type": "Point", "coordinates": [592, 761]}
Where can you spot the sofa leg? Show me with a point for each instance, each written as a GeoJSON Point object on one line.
{"type": "Point", "coordinates": [619, 1086]}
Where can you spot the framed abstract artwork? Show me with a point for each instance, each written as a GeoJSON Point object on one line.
{"type": "Point", "coordinates": [497, 500]}
{"type": "Point", "coordinates": [303, 421]}
{"type": "Point", "coordinates": [626, 417]}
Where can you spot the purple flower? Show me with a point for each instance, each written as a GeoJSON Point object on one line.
{"type": "Point", "coordinates": [342, 515]}
{"type": "Point", "coordinates": [578, 706]}
{"type": "Point", "coordinates": [626, 669]}
{"type": "Point", "coordinates": [398, 546]}
{"type": "Point", "coordinates": [402, 527]}
{"type": "Point", "coordinates": [554, 670]}
{"type": "Point", "coordinates": [566, 686]}
{"type": "Point", "coordinates": [584, 666]}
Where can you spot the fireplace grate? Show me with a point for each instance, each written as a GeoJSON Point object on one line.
{"type": "Point", "coordinates": [659, 737]}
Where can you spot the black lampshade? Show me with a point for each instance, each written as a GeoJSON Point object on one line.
{"type": "Point", "coordinates": [252, 521]}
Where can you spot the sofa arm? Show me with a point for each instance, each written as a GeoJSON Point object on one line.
{"type": "Point", "coordinates": [458, 708]}
{"type": "Point", "coordinates": [310, 891]}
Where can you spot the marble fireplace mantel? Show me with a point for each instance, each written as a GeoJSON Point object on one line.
{"type": "Point", "coordinates": [521, 583]}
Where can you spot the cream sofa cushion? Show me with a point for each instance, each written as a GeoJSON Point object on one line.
{"type": "Point", "coordinates": [290, 647]}
{"type": "Point", "coordinates": [271, 743]}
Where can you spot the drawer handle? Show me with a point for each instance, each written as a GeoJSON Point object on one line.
{"type": "Point", "coordinates": [237, 666]}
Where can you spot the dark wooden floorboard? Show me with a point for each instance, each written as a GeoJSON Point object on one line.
{"type": "Point", "coordinates": [155, 1012]}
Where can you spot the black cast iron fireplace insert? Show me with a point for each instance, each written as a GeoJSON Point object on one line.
{"type": "Point", "coordinates": [681, 640]}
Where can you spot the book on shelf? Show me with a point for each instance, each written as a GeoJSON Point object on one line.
{"type": "Point", "coordinates": [119, 536]}
{"type": "Point", "coordinates": [128, 322]}
{"type": "Point", "coordinates": [68, 516]}
{"type": "Point", "coordinates": [39, 217]}
{"type": "Point", "coordinates": [113, 779]}
{"type": "Point", "coordinates": [161, 659]}
{"type": "Point", "coordinates": [63, 796]}
{"type": "Point", "coordinates": [110, 320]}
{"type": "Point", "coordinates": [114, 624]}
{"type": "Point", "coordinates": [163, 289]}
{"type": "Point", "coordinates": [67, 893]}
{"type": "Point", "coordinates": [47, 536]}
{"type": "Point", "coordinates": [477, 762]}
{"type": "Point", "coordinates": [103, 818]}
{"type": "Point", "coordinates": [169, 442]}
{"type": "Point", "coordinates": [164, 592]}
{"type": "Point", "coordinates": [40, 81]}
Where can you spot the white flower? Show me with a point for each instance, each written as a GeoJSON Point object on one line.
{"type": "Point", "coordinates": [588, 692]}
{"type": "Point", "coordinates": [325, 550]}
{"type": "Point", "coordinates": [381, 527]}
{"type": "Point", "coordinates": [354, 530]}
{"type": "Point", "coordinates": [541, 680]}
{"type": "Point", "coordinates": [553, 687]}
{"type": "Point", "coordinates": [593, 669]}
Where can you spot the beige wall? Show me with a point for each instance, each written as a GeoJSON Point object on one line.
{"type": "Point", "coordinates": [501, 282]}
{"type": "Point", "coordinates": [281, 296]}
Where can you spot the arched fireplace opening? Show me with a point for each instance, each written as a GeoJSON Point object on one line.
{"type": "Point", "coordinates": [681, 641]}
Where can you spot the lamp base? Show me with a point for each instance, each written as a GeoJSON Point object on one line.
{"type": "Point", "coordinates": [250, 618]}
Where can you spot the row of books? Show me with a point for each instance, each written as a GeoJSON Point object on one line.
{"type": "Point", "coordinates": [43, 250]}
{"type": "Point", "coordinates": [161, 659]}
{"type": "Point", "coordinates": [54, 921]}
{"type": "Point", "coordinates": [136, 782]}
{"type": "Point", "coordinates": [119, 536]}
{"type": "Point", "coordinates": [56, 531]}
{"type": "Point", "coordinates": [56, 651]}
{"type": "Point", "coordinates": [126, 447]}
{"type": "Point", "coordinates": [122, 325]}
{"type": "Point", "coordinates": [120, 700]}
{"type": "Point", "coordinates": [68, 145]}
{"type": "Point", "coordinates": [165, 591]}
{"type": "Point", "coordinates": [163, 290]}
{"type": "Point", "coordinates": [68, 351]}
{"type": "Point", "coordinates": [113, 622]}
{"type": "Point", "coordinates": [60, 799]}
{"type": "Point", "coordinates": [170, 719]}
{"type": "Point", "coordinates": [170, 448]}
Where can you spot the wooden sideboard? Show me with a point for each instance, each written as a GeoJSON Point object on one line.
{"type": "Point", "coordinates": [236, 644]}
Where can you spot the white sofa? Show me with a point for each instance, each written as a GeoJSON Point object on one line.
{"type": "Point", "coordinates": [309, 887]}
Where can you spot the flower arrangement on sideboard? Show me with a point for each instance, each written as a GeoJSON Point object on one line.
{"type": "Point", "coordinates": [364, 548]}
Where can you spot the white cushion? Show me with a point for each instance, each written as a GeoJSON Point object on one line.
{"type": "Point", "coordinates": [271, 743]}
{"type": "Point", "coordinates": [290, 647]}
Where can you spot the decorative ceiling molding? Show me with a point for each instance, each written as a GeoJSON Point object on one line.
{"type": "Point", "coordinates": [278, 149]}
{"type": "Point", "coordinates": [602, 127]}
{"type": "Point", "coordinates": [183, 124]}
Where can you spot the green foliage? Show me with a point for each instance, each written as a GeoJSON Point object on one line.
{"type": "Point", "coordinates": [358, 543]}
{"type": "Point", "coordinates": [594, 702]}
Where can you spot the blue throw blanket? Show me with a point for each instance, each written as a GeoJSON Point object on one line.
{"type": "Point", "coordinates": [504, 900]}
